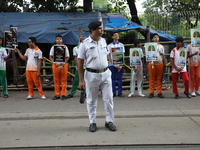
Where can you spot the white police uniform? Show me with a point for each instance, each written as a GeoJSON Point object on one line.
{"type": "Point", "coordinates": [97, 75]}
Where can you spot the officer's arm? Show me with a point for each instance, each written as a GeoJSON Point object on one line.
{"type": "Point", "coordinates": [80, 69]}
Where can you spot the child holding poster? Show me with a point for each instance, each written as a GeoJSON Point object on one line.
{"type": "Point", "coordinates": [59, 55]}
{"type": "Point", "coordinates": [179, 67]}
{"type": "Point", "coordinates": [136, 62]}
{"type": "Point", "coordinates": [116, 49]}
{"type": "Point", "coordinates": [155, 57]}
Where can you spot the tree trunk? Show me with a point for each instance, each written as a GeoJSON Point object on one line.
{"type": "Point", "coordinates": [87, 5]}
{"type": "Point", "coordinates": [133, 10]}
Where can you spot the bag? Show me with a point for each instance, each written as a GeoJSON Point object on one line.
{"type": "Point", "coordinates": [82, 97]}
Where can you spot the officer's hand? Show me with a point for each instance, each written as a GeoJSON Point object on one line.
{"type": "Point", "coordinates": [134, 69]}
{"type": "Point", "coordinates": [196, 53]}
{"type": "Point", "coordinates": [81, 85]}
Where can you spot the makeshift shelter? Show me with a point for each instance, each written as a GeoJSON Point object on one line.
{"type": "Point", "coordinates": [45, 26]}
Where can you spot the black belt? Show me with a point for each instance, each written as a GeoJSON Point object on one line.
{"type": "Point", "coordinates": [97, 70]}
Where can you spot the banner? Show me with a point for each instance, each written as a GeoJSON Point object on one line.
{"type": "Point", "coordinates": [151, 51]}
{"type": "Point", "coordinates": [195, 37]}
{"type": "Point", "coordinates": [135, 57]}
{"type": "Point", "coordinates": [181, 60]}
{"type": "Point", "coordinates": [59, 53]}
{"type": "Point", "coordinates": [117, 56]}
{"type": "Point", "coordinates": [100, 5]}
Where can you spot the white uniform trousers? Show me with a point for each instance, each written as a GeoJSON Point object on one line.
{"type": "Point", "coordinates": [138, 75]}
{"type": "Point", "coordinates": [94, 82]}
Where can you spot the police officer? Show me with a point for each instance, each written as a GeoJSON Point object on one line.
{"type": "Point", "coordinates": [93, 54]}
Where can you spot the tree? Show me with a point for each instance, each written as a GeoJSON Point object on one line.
{"type": "Point", "coordinates": [169, 6]}
{"type": "Point", "coordinates": [10, 5]}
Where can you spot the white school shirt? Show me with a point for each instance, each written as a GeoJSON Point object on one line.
{"type": "Point", "coordinates": [194, 60]}
{"type": "Point", "coordinates": [3, 54]}
{"type": "Point", "coordinates": [94, 54]}
{"type": "Point", "coordinates": [174, 55]}
{"type": "Point", "coordinates": [33, 56]}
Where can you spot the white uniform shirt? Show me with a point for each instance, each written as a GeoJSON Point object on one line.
{"type": "Point", "coordinates": [174, 55]}
{"type": "Point", "coordinates": [194, 60]}
{"type": "Point", "coordinates": [33, 56]}
{"type": "Point", "coordinates": [115, 45]}
{"type": "Point", "coordinates": [3, 54]}
{"type": "Point", "coordinates": [94, 54]}
{"type": "Point", "coordinates": [75, 51]}
{"type": "Point", "coordinates": [52, 51]}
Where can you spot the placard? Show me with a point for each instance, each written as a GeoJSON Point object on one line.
{"type": "Point", "coordinates": [13, 30]}
{"type": "Point", "coordinates": [59, 53]}
{"type": "Point", "coordinates": [195, 37]}
{"type": "Point", "coordinates": [151, 51]}
{"type": "Point", "coordinates": [117, 56]}
{"type": "Point", "coordinates": [181, 60]}
{"type": "Point", "coordinates": [8, 40]}
{"type": "Point", "coordinates": [135, 57]}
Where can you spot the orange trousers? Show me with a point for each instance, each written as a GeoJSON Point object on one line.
{"type": "Point", "coordinates": [32, 78]}
{"type": "Point", "coordinates": [194, 78]}
{"type": "Point", "coordinates": [60, 78]}
{"type": "Point", "coordinates": [155, 76]}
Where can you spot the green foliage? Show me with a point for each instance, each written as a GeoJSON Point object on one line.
{"type": "Point", "coordinates": [10, 5]}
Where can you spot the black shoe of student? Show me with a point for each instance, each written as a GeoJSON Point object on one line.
{"type": "Point", "coordinates": [177, 96]}
{"type": "Point", "coordinates": [120, 95]}
{"type": "Point", "coordinates": [69, 96]}
{"type": "Point", "coordinates": [114, 95]}
{"type": "Point", "coordinates": [93, 127]}
{"type": "Point", "coordinates": [110, 126]}
{"type": "Point", "coordinates": [160, 95]}
{"type": "Point", "coordinates": [63, 97]}
{"type": "Point", "coordinates": [188, 95]}
{"type": "Point", "coordinates": [5, 96]}
{"type": "Point", "coordinates": [55, 97]}
{"type": "Point", "coordinates": [151, 95]}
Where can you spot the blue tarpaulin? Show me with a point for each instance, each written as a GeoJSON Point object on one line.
{"type": "Point", "coordinates": [45, 26]}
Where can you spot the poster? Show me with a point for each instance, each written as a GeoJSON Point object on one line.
{"type": "Point", "coordinates": [100, 5]}
{"type": "Point", "coordinates": [8, 40]}
{"type": "Point", "coordinates": [151, 51]}
{"type": "Point", "coordinates": [181, 60]}
{"type": "Point", "coordinates": [13, 30]}
{"type": "Point", "coordinates": [195, 37]}
{"type": "Point", "coordinates": [117, 56]}
{"type": "Point", "coordinates": [59, 53]}
{"type": "Point", "coordinates": [135, 57]}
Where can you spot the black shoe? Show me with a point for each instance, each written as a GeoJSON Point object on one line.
{"type": "Point", "coordinates": [151, 95]}
{"type": "Point", "coordinates": [177, 96]}
{"type": "Point", "coordinates": [188, 95]}
{"type": "Point", "coordinates": [160, 95]}
{"type": "Point", "coordinates": [114, 95]}
{"type": "Point", "coordinates": [110, 126]}
{"type": "Point", "coordinates": [5, 96]}
{"type": "Point", "coordinates": [93, 127]}
{"type": "Point", "coordinates": [55, 97]}
{"type": "Point", "coordinates": [69, 96]}
{"type": "Point", "coordinates": [120, 95]}
{"type": "Point", "coordinates": [63, 97]}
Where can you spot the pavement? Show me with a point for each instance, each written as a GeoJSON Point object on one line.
{"type": "Point", "coordinates": [139, 121]}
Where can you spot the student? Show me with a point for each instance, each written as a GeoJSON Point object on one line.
{"type": "Point", "coordinates": [137, 72]}
{"type": "Point", "coordinates": [60, 71]}
{"type": "Point", "coordinates": [156, 69]}
{"type": "Point", "coordinates": [33, 55]}
{"type": "Point", "coordinates": [3, 58]}
{"type": "Point", "coordinates": [194, 69]}
{"type": "Point", "coordinates": [97, 75]}
{"type": "Point", "coordinates": [76, 78]}
{"type": "Point", "coordinates": [176, 70]}
{"type": "Point", "coordinates": [117, 70]}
